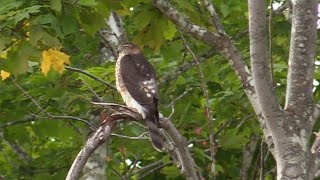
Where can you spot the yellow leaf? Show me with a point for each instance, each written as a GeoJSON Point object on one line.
{"type": "Point", "coordinates": [54, 58]}
{"type": "Point", "coordinates": [4, 74]}
{"type": "Point", "coordinates": [4, 54]}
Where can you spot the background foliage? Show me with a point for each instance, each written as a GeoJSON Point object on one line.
{"type": "Point", "coordinates": [39, 145]}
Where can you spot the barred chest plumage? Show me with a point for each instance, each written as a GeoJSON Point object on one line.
{"type": "Point", "coordinates": [122, 89]}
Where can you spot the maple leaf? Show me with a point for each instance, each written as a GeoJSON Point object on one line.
{"type": "Point", "coordinates": [4, 74]}
{"type": "Point", "coordinates": [54, 58]}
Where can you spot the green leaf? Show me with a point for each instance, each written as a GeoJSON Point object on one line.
{"type": "Point", "coordinates": [3, 42]}
{"type": "Point", "coordinates": [7, 5]}
{"type": "Point", "coordinates": [92, 21]}
{"type": "Point", "coordinates": [44, 19]}
{"type": "Point", "coordinates": [225, 10]}
{"type": "Point", "coordinates": [170, 31]}
{"type": "Point", "coordinates": [185, 5]}
{"type": "Point", "coordinates": [17, 62]}
{"type": "Point", "coordinates": [144, 17]}
{"type": "Point", "coordinates": [87, 2]}
{"type": "Point", "coordinates": [69, 25]}
{"type": "Point", "coordinates": [56, 5]}
{"type": "Point", "coordinates": [233, 140]}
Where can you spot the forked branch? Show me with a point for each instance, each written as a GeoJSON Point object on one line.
{"type": "Point", "coordinates": [184, 160]}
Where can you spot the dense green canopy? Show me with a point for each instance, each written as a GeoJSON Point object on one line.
{"type": "Point", "coordinates": [44, 116]}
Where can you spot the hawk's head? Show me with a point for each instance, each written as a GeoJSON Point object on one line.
{"type": "Point", "coordinates": [128, 48]}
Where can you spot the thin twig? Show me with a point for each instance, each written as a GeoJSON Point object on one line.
{"type": "Point", "coordinates": [149, 166]}
{"type": "Point", "coordinates": [141, 137]}
{"type": "Point", "coordinates": [133, 165]}
{"type": "Point", "coordinates": [93, 91]}
{"type": "Point", "coordinates": [173, 102]}
{"type": "Point", "coordinates": [45, 112]}
{"type": "Point", "coordinates": [247, 156]}
{"type": "Point", "coordinates": [90, 75]}
{"type": "Point", "coordinates": [208, 110]}
{"type": "Point", "coordinates": [25, 120]}
{"type": "Point", "coordinates": [270, 42]}
{"type": "Point", "coordinates": [155, 169]}
{"type": "Point", "coordinates": [117, 173]}
{"type": "Point", "coordinates": [29, 96]}
{"type": "Point", "coordinates": [123, 157]}
{"type": "Point", "coordinates": [261, 160]}
{"type": "Point", "coordinates": [66, 117]}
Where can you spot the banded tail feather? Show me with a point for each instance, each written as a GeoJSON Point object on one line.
{"type": "Point", "coordinates": [155, 134]}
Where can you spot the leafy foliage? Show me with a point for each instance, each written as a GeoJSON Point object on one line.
{"type": "Point", "coordinates": [36, 36]}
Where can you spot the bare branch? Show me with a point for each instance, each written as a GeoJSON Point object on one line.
{"type": "Point", "coordinates": [100, 136]}
{"type": "Point", "coordinates": [226, 48]}
{"type": "Point", "coordinates": [150, 166]}
{"type": "Point", "coordinates": [262, 156]}
{"type": "Point", "coordinates": [247, 156]}
{"type": "Point", "coordinates": [90, 75]}
{"type": "Point", "coordinates": [270, 41]}
{"type": "Point", "coordinates": [162, 165]}
{"type": "Point", "coordinates": [189, 168]}
{"type": "Point", "coordinates": [260, 66]}
{"type": "Point", "coordinates": [67, 118]}
{"type": "Point", "coordinates": [26, 119]}
{"type": "Point", "coordinates": [208, 110]}
{"type": "Point", "coordinates": [184, 158]}
{"type": "Point", "coordinates": [141, 137]}
{"type": "Point", "coordinates": [302, 54]}
{"type": "Point", "coordinates": [216, 40]}
{"type": "Point", "coordinates": [173, 102]}
{"type": "Point", "coordinates": [44, 111]}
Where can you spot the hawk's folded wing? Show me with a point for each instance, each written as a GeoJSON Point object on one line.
{"type": "Point", "coordinates": [140, 79]}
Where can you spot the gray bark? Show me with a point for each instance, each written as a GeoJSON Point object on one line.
{"type": "Point", "coordinates": [291, 127]}
{"type": "Point", "coordinates": [96, 165]}
{"type": "Point", "coordinates": [286, 130]}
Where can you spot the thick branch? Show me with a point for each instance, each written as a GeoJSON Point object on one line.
{"type": "Point", "coordinates": [188, 169]}
{"type": "Point", "coordinates": [214, 16]}
{"type": "Point", "coordinates": [100, 136]}
{"type": "Point", "coordinates": [223, 44]}
{"type": "Point", "coordinates": [219, 41]}
{"type": "Point", "coordinates": [270, 106]}
{"type": "Point", "coordinates": [301, 57]}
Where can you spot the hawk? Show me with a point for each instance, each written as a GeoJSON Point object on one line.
{"type": "Point", "coordinates": [136, 82]}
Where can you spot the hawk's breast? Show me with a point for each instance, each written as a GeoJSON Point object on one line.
{"type": "Point", "coordinates": [122, 88]}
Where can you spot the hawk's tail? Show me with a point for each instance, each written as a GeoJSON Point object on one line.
{"type": "Point", "coordinates": [155, 134]}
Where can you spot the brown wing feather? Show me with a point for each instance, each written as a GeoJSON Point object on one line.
{"type": "Point", "coordinates": [135, 70]}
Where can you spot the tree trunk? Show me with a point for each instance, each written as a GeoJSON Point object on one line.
{"type": "Point", "coordinates": [291, 127]}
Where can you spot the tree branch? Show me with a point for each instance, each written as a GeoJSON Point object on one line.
{"type": "Point", "coordinates": [302, 54]}
{"type": "Point", "coordinates": [247, 156]}
{"type": "Point", "coordinates": [208, 110]}
{"type": "Point", "coordinates": [270, 106]}
{"type": "Point", "coordinates": [100, 136]}
{"type": "Point", "coordinates": [90, 75]}
{"type": "Point", "coordinates": [214, 16]}
{"type": "Point", "coordinates": [189, 168]}
{"type": "Point", "coordinates": [218, 41]}
{"type": "Point", "coordinates": [226, 48]}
